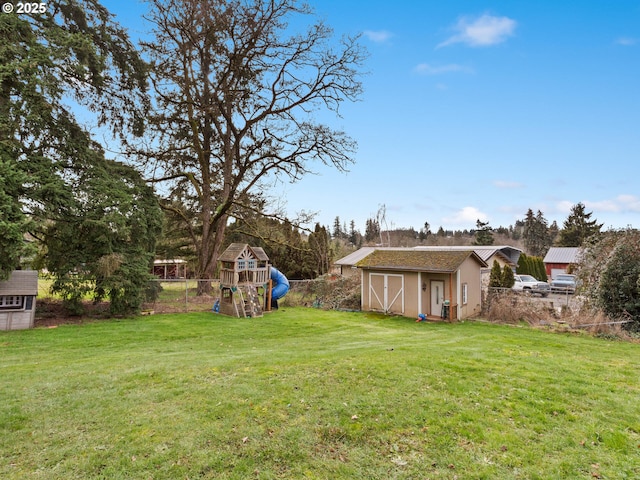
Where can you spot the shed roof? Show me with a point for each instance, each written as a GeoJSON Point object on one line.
{"type": "Point", "coordinates": [485, 252]}
{"type": "Point", "coordinates": [562, 255]}
{"type": "Point", "coordinates": [20, 282]}
{"type": "Point", "coordinates": [511, 254]}
{"type": "Point", "coordinates": [173, 261]}
{"type": "Point", "coordinates": [446, 261]}
{"type": "Point", "coordinates": [235, 250]}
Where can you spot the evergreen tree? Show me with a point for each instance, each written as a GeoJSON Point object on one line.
{"type": "Point", "coordinates": [495, 277]}
{"type": "Point", "coordinates": [320, 245]}
{"type": "Point", "coordinates": [483, 234]}
{"type": "Point", "coordinates": [578, 227]}
{"type": "Point", "coordinates": [536, 234]}
{"type": "Point", "coordinates": [553, 232]}
{"type": "Point", "coordinates": [354, 236]}
{"type": "Point", "coordinates": [337, 229]}
{"type": "Point", "coordinates": [104, 239]}
{"type": "Point", "coordinates": [540, 272]}
{"type": "Point", "coordinates": [508, 280]}
{"type": "Point", "coordinates": [521, 267]}
{"type": "Point", "coordinates": [424, 232]}
{"type": "Point", "coordinates": [96, 218]}
{"type": "Point", "coordinates": [372, 230]}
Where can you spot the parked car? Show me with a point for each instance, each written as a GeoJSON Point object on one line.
{"type": "Point", "coordinates": [564, 283]}
{"type": "Point", "coordinates": [528, 284]}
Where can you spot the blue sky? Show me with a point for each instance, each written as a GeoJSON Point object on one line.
{"type": "Point", "coordinates": [482, 110]}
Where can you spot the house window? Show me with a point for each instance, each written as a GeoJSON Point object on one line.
{"type": "Point", "coordinates": [242, 264]}
{"type": "Point", "coordinates": [11, 302]}
{"type": "Point", "coordinates": [465, 293]}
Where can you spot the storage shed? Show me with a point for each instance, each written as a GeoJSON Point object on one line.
{"type": "Point", "coordinates": [18, 300]}
{"type": "Point", "coordinates": [409, 282]}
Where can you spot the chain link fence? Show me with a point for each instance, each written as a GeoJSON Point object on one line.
{"type": "Point", "coordinates": [327, 292]}
{"type": "Point", "coordinates": [182, 295]}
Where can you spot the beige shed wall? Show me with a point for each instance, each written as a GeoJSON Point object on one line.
{"type": "Point", "coordinates": [470, 274]}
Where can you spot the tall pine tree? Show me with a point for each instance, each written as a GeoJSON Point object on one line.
{"type": "Point", "coordinates": [578, 227]}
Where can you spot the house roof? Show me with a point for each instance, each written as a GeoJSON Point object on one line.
{"type": "Point", "coordinates": [235, 250]}
{"type": "Point", "coordinates": [446, 261]}
{"type": "Point", "coordinates": [562, 255]}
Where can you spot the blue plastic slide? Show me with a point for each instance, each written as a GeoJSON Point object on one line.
{"type": "Point", "coordinates": [280, 284]}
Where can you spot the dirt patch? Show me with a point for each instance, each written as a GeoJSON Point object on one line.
{"type": "Point", "coordinates": [51, 313]}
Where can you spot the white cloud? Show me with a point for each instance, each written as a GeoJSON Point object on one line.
{"type": "Point", "coordinates": [626, 41]}
{"type": "Point", "coordinates": [619, 204]}
{"type": "Point", "coordinates": [483, 31]}
{"type": "Point", "coordinates": [505, 184]}
{"type": "Point", "coordinates": [563, 207]}
{"type": "Point", "coordinates": [466, 216]}
{"type": "Point", "coordinates": [377, 36]}
{"type": "Point", "coordinates": [426, 69]}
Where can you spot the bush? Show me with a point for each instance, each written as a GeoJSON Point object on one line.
{"type": "Point", "coordinates": [610, 272]}
{"type": "Point", "coordinates": [495, 277]}
{"type": "Point", "coordinates": [619, 291]}
{"type": "Point", "coordinates": [327, 292]}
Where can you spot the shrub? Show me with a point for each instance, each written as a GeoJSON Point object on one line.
{"type": "Point", "coordinates": [495, 278]}
{"type": "Point", "coordinates": [610, 272]}
{"type": "Point", "coordinates": [508, 280]}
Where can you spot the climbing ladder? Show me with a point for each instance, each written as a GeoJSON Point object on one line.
{"type": "Point", "coordinates": [249, 305]}
{"type": "Point", "coordinates": [253, 303]}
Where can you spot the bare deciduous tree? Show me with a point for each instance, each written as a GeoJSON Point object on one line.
{"type": "Point", "coordinates": [236, 87]}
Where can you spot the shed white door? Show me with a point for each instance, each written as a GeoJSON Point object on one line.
{"type": "Point", "coordinates": [386, 292]}
{"type": "Point", "coordinates": [437, 297]}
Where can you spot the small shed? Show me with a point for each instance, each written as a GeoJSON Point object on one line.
{"type": "Point", "coordinates": [436, 283]}
{"type": "Point", "coordinates": [559, 260]}
{"type": "Point", "coordinates": [18, 300]}
{"type": "Point", "coordinates": [244, 281]}
{"type": "Point", "coordinates": [170, 269]}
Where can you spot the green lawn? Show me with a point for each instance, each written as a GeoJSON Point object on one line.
{"type": "Point", "coordinates": [304, 393]}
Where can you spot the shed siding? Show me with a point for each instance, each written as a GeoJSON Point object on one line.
{"type": "Point", "coordinates": [21, 283]}
{"type": "Point", "coordinates": [470, 275]}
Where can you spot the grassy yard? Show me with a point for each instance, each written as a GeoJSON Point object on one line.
{"type": "Point", "coordinates": [303, 393]}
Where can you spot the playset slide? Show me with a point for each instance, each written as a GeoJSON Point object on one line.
{"type": "Point", "coordinates": [280, 285]}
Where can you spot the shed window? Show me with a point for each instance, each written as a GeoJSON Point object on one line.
{"type": "Point", "coordinates": [11, 302]}
{"type": "Point", "coordinates": [465, 292]}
